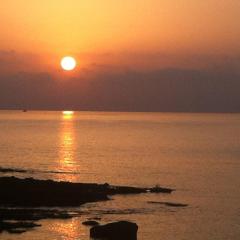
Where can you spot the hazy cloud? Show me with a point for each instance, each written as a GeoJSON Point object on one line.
{"type": "Point", "coordinates": [159, 90]}
{"type": "Point", "coordinates": [14, 62]}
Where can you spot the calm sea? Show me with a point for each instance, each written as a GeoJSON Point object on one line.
{"type": "Point", "coordinates": [197, 154]}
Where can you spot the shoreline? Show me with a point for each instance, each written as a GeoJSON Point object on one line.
{"type": "Point", "coordinates": [22, 200]}
{"type": "Point", "coordinates": [30, 192]}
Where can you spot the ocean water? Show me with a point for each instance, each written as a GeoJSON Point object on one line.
{"type": "Point", "coordinates": [196, 154]}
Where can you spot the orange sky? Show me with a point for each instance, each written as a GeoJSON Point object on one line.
{"type": "Point", "coordinates": [134, 33]}
{"type": "Point", "coordinates": [132, 55]}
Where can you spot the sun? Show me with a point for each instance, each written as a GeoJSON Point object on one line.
{"type": "Point", "coordinates": [68, 115]}
{"type": "Point", "coordinates": [68, 112]}
{"type": "Point", "coordinates": [68, 63]}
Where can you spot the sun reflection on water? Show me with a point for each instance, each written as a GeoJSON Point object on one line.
{"type": "Point", "coordinates": [67, 146]}
{"type": "Point", "coordinates": [71, 229]}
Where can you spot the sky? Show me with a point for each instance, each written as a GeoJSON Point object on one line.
{"type": "Point", "coordinates": [155, 55]}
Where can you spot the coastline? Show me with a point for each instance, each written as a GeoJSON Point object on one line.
{"type": "Point", "coordinates": [22, 198]}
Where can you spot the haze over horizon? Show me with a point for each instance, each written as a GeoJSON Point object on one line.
{"type": "Point", "coordinates": [131, 56]}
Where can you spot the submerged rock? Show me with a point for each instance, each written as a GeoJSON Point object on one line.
{"type": "Point", "coordinates": [115, 231]}
{"type": "Point", "coordinates": [15, 220]}
{"type": "Point", "coordinates": [158, 189]}
{"type": "Point", "coordinates": [90, 223]}
{"type": "Point", "coordinates": [170, 204]}
{"type": "Point", "coordinates": [28, 214]}
{"type": "Point", "coordinates": [17, 226]}
{"type": "Point", "coordinates": [95, 218]}
{"type": "Point", "coordinates": [12, 170]}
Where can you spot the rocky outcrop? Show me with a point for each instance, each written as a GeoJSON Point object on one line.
{"type": "Point", "coordinates": [30, 192]}
{"type": "Point", "coordinates": [115, 231]}
{"type": "Point", "coordinates": [21, 197]}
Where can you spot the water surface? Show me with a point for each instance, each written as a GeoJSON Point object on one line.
{"type": "Point", "coordinates": [198, 154]}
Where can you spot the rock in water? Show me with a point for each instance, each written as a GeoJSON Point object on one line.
{"type": "Point", "coordinates": [170, 204]}
{"type": "Point", "coordinates": [115, 231]}
{"type": "Point", "coordinates": [90, 223]}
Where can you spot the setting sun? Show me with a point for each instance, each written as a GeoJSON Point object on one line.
{"type": "Point", "coordinates": [68, 63]}
{"type": "Point", "coordinates": [67, 115]}
{"type": "Point", "coordinates": [68, 112]}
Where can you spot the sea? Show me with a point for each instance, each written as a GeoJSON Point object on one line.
{"type": "Point", "coordinates": [197, 154]}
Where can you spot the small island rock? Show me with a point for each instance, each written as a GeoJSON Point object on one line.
{"type": "Point", "coordinates": [116, 230]}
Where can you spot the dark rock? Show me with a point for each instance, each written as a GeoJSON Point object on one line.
{"type": "Point", "coordinates": [95, 218]}
{"type": "Point", "coordinates": [21, 220]}
{"type": "Point", "coordinates": [28, 214]}
{"type": "Point", "coordinates": [160, 190]}
{"type": "Point", "coordinates": [170, 204]}
{"type": "Point", "coordinates": [112, 190]}
{"type": "Point", "coordinates": [115, 231]}
{"type": "Point", "coordinates": [17, 227]}
{"type": "Point", "coordinates": [12, 170]}
{"type": "Point", "coordinates": [16, 231]}
{"type": "Point", "coordinates": [30, 192]}
{"type": "Point", "coordinates": [90, 223]}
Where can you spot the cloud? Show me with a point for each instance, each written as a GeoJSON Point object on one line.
{"type": "Point", "coordinates": [12, 61]}
{"type": "Point", "coordinates": [172, 89]}
{"type": "Point", "coordinates": [141, 61]}
{"type": "Point", "coordinates": [112, 85]}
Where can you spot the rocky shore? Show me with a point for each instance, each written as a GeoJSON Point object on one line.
{"type": "Point", "coordinates": [21, 198]}
{"type": "Point", "coordinates": [30, 192]}
{"type": "Point", "coordinates": [19, 220]}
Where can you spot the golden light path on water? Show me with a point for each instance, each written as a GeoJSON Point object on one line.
{"type": "Point", "coordinates": [67, 145]}
{"type": "Point", "coordinates": [70, 229]}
